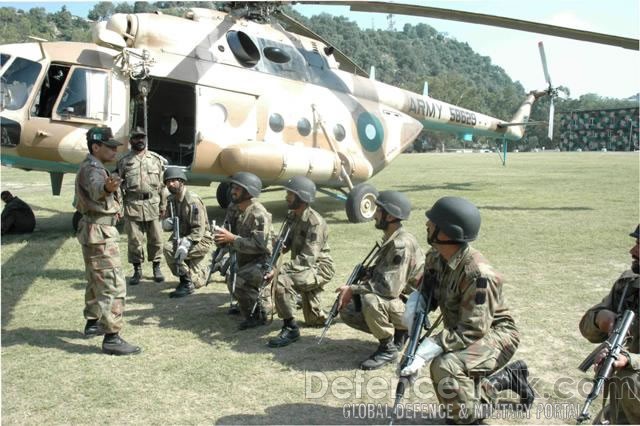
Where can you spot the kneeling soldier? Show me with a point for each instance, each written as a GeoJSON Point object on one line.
{"type": "Point", "coordinates": [310, 267]}
{"type": "Point", "coordinates": [397, 265]}
{"type": "Point", "coordinates": [186, 258]}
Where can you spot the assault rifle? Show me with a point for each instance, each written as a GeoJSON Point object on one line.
{"type": "Point", "coordinates": [285, 229]}
{"type": "Point", "coordinates": [175, 236]}
{"type": "Point", "coordinates": [358, 273]}
{"type": "Point", "coordinates": [420, 321]}
{"type": "Point", "coordinates": [615, 345]}
{"type": "Point", "coordinates": [220, 259]}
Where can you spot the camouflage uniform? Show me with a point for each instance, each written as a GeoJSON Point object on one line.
{"type": "Point", "coordinates": [623, 389]}
{"type": "Point", "coordinates": [479, 335]}
{"type": "Point", "coordinates": [253, 248]}
{"type": "Point", "coordinates": [98, 235]}
{"type": "Point", "coordinates": [17, 217]}
{"type": "Point", "coordinates": [194, 224]}
{"type": "Point", "coordinates": [142, 188]}
{"type": "Point", "coordinates": [396, 269]}
{"type": "Point", "coordinates": [310, 268]}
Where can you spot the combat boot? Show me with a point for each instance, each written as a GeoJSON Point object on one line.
{"type": "Point", "coordinates": [253, 320]}
{"type": "Point", "coordinates": [183, 289]}
{"type": "Point", "coordinates": [157, 273]}
{"type": "Point", "coordinates": [514, 377]}
{"type": "Point", "coordinates": [286, 336]}
{"type": "Point", "coordinates": [137, 274]}
{"type": "Point", "coordinates": [386, 353]}
{"type": "Point", "coordinates": [399, 338]}
{"type": "Point", "coordinates": [93, 328]}
{"type": "Point", "coordinates": [113, 344]}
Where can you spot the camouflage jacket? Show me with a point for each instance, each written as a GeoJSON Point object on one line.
{"type": "Point", "coordinates": [590, 330]}
{"type": "Point", "coordinates": [469, 295]}
{"type": "Point", "coordinates": [397, 266]}
{"type": "Point", "coordinates": [308, 242]}
{"type": "Point", "coordinates": [253, 230]}
{"type": "Point", "coordinates": [192, 214]}
{"type": "Point", "coordinates": [90, 198]}
{"type": "Point", "coordinates": [142, 185]}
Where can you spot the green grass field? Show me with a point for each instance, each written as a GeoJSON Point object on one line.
{"type": "Point", "coordinates": [555, 224]}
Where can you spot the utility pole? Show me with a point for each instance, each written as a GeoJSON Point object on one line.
{"type": "Point", "coordinates": [391, 23]}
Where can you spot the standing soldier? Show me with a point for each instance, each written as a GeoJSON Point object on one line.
{"type": "Point", "coordinates": [479, 335]}
{"type": "Point", "coordinates": [310, 267]}
{"type": "Point", "coordinates": [141, 171]}
{"type": "Point", "coordinates": [97, 199]}
{"type": "Point", "coordinates": [397, 266]}
{"type": "Point", "coordinates": [623, 387]}
{"type": "Point", "coordinates": [250, 238]}
{"type": "Point", "coordinates": [186, 256]}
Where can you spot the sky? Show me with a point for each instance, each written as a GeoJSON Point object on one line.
{"type": "Point", "coordinates": [582, 67]}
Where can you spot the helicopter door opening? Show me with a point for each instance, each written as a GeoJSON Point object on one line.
{"type": "Point", "coordinates": [171, 119]}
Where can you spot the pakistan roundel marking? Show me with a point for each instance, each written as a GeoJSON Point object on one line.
{"type": "Point", "coordinates": [370, 132]}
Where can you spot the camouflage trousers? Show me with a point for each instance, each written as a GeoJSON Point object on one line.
{"type": "Point", "coordinates": [460, 378]}
{"type": "Point", "coordinates": [194, 266]}
{"type": "Point", "coordinates": [135, 231]}
{"type": "Point", "coordinates": [378, 316]}
{"type": "Point", "coordinates": [106, 286]}
{"type": "Point", "coordinates": [623, 391]}
{"type": "Point", "coordinates": [248, 279]}
{"type": "Point", "coordinates": [308, 283]}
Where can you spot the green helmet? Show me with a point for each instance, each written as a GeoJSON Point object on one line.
{"type": "Point", "coordinates": [456, 217]}
{"type": "Point", "coordinates": [303, 187]}
{"type": "Point", "coordinates": [250, 182]}
{"type": "Point", "coordinates": [394, 203]}
{"type": "Point", "coordinates": [102, 135]}
{"type": "Point", "coordinates": [174, 173]}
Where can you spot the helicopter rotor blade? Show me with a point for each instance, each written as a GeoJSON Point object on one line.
{"type": "Point", "coordinates": [346, 64]}
{"type": "Point", "coordinates": [543, 57]}
{"type": "Point", "coordinates": [480, 18]}
{"type": "Point", "coordinates": [551, 115]}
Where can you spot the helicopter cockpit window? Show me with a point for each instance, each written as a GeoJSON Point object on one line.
{"type": "Point", "coordinates": [3, 59]}
{"type": "Point", "coordinates": [275, 54]}
{"type": "Point", "coordinates": [86, 95]}
{"type": "Point", "coordinates": [243, 48]}
{"type": "Point", "coordinates": [17, 82]}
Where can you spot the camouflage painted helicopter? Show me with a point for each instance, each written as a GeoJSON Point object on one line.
{"type": "Point", "coordinates": [224, 91]}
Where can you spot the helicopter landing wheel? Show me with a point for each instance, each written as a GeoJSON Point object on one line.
{"type": "Point", "coordinates": [361, 203]}
{"type": "Point", "coordinates": [223, 194]}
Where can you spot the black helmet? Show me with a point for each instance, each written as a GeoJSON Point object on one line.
{"type": "Point", "coordinates": [394, 203]}
{"type": "Point", "coordinates": [174, 173]}
{"type": "Point", "coordinates": [250, 182]}
{"type": "Point", "coordinates": [303, 187]}
{"type": "Point", "coordinates": [456, 217]}
{"type": "Point", "coordinates": [636, 233]}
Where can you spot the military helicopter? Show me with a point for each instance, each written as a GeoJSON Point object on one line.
{"type": "Point", "coordinates": [225, 91]}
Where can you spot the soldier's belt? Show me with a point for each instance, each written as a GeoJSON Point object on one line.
{"type": "Point", "coordinates": [98, 219]}
{"type": "Point", "coordinates": [139, 195]}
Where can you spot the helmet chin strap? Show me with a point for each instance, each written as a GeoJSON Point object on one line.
{"type": "Point", "coordinates": [296, 203]}
{"type": "Point", "coordinates": [384, 223]}
{"type": "Point", "coordinates": [433, 238]}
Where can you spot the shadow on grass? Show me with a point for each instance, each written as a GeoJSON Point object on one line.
{"type": "Point", "coordinates": [512, 208]}
{"type": "Point", "coordinates": [21, 269]}
{"type": "Point", "coordinates": [307, 413]}
{"type": "Point", "coordinates": [50, 338]}
{"type": "Point", "coordinates": [205, 315]}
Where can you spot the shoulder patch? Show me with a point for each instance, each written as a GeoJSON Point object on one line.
{"type": "Point", "coordinates": [481, 290]}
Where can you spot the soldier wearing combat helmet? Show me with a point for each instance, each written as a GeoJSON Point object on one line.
{"type": "Point", "coordinates": [479, 335]}
{"type": "Point", "coordinates": [311, 266]}
{"type": "Point", "coordinates": [374, 305]}
{"type": "Point", "coordinates": [250, 237]}
{"type": "Point", "coordinates": [623, 389]}
{"type": "Point", "coordinates": [142, 188]}
{"type": "Point", "coordinates": [97, 199]}
{"type": "Point", "coordinates": [186, 257]}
